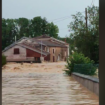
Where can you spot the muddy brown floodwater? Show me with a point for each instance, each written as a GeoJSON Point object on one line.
{"type": "Point", "coordinates": [42, 84]}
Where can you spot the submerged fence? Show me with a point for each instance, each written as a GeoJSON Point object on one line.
{"type": "Point", "coordinates": [87, 69]}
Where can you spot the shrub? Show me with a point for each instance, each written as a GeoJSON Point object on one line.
{"type": "Point", "coordinates": [3, 60]}
{"type": "Point", "coordinates": [76, 58]}
{"type": "Point", "coordinates": [87, 69]}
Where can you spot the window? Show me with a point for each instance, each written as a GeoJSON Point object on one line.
{"type": "Point", "coordinates": [16, 51]}
{"type": "Point", "coordinates": [53, 51]}
{"type": "Point", "coordinates": [53, 59]}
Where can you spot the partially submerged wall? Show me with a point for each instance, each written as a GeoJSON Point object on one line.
{"type": "Point", "coordinates": [89, 82]}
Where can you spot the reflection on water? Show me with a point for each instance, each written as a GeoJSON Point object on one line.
{"type": "Point", "coordinates": [44, 89]}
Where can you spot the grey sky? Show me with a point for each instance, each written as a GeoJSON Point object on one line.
{"type": "Point", "coordinates": [51, 9]}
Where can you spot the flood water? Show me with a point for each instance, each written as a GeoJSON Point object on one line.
{"type": "Point", "coordinates": [44, 89]}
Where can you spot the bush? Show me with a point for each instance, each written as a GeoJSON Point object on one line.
{"type": "Point", "coordinates": [76, 58]}
{"type": "Point", "coordinates": [87, 69]}
{"type": "Point", "coordinates": [3, 60]}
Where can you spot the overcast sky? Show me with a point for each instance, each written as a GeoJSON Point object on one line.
{"type": "Point", "coordinates": [51, 9]}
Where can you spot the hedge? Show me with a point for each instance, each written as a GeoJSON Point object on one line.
{"type": "Point", "coordinates": [3, 60]}
{"type": "Point", "coordinates": [87, 69]}
{"type": "Point", "coordinates": [78, 58]}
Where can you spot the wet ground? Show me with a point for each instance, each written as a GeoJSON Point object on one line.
{"type": "Point", "coordinates": [41, 87]}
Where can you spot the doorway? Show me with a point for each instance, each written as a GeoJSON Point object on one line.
{"type": "Point", "coordinates": [37, 59]}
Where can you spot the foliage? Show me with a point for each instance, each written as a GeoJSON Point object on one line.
{"type": "Point", "coordinates": [8, 32]}
{"type": "Point", "coordinates": [22, 25]}
{"type": "Point", "coordinates": [87, 69]}
{"type": "Point", "coordinates": [53, 30]}
{"type": "Point", "coordinates": [85, 39]}
{"type": "Point", "coordinates": [76, 58]}
{"type": "Point", "coordinates": [25, 27]}
{"type": "Point", "coordinates": [3, 60]}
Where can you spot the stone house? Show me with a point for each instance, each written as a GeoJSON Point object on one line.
{"type": "Point", "coordinates": [44, 48]}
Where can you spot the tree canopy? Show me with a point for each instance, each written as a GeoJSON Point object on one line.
{"type": "Point", "coordinates": [26, 27]}
{"type": "Point", "coordinates": [86, 38]}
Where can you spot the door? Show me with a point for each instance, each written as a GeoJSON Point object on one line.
{"type": "Point", "coordinates": [37, 59]}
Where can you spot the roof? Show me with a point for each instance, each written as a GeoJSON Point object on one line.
{"type": "Point", "coordinates": [15, 43]}
{"type": "Point", "coordinates": [42, 36]}
{"type": "Point", "coordinates": [33, 48]}
{"type": "Point", "coordinates": [52, 44]}
{"type": "Point", "coordinates": [9, 46]}
{"type": "Point", "coordinates": [28, 47]}
{"type": "Point", "coordinates": [46, 40]}
{"type": "Point", "coordinates": [48, 37]}
{"type": "Point", "coordinates": [36, 41]}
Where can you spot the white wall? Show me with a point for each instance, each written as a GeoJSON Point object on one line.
{"type": "Point", "coordinates": [10, 53]}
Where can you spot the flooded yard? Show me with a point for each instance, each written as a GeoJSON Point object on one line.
{"type": "Point", "coordinates": [42, 84]}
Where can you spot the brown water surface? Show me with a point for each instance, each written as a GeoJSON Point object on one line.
{"type": "Point", "coordinates": [43, 88]}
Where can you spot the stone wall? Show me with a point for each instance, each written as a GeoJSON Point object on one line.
{"type": "Point", "coordinates": [89, 82]}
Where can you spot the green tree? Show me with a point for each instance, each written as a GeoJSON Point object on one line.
{"type": "Point", "coordinates": [52, 30]}
{"type": "Point", "coordinates": [86, 39]}
{"type": "Point", "coordinates": [22, 25]}
{"type": "Point", "coordinates": [8, 32]}
{"type": "Point", "coordinates": [77, 58]}
{"type": "Point", "coordinates": [26, 27]}
{"type": "Point", "coordinates": [38, 26]}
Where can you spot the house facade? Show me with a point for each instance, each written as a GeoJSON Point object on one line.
{"type": "Point", "coordinates": [42, 48]}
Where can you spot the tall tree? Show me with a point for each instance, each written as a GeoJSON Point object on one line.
{"type": "Point", "coordinates": [86, 39]}
{"type": "Point", "coordinates": [23, 27]}
{"type": "Point", "coordinates": [53, 30]}
{"type": "Point", "coordinates": [8, 32]}
{"type": "Point", "coordinates": [26, 27]}
{"type": "Point", "coordinates": [38, 26]}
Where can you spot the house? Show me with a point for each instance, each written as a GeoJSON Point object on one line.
{"type": "Point", "coordinates": [44, 48]}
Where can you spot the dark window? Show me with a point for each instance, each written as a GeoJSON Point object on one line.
{"type": "Point", "coordinates": [53, 59]}
{"type": "Point", "coordinates": [16, 51]}
{"type": "Point", "coordinates": [53, 50]}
